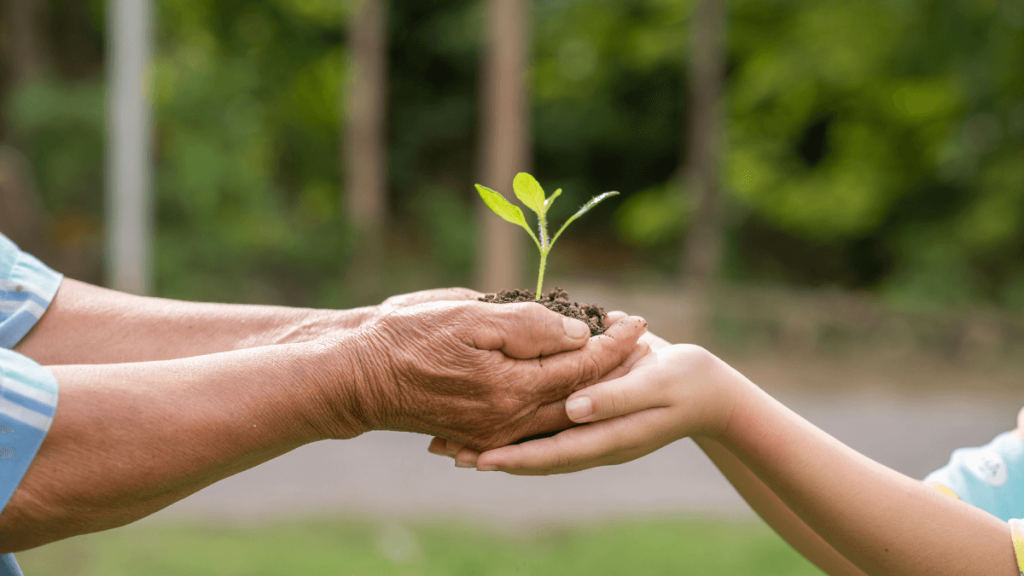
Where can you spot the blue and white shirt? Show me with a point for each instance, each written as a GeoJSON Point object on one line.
{"type": "Point", "coordinates": [990, 477]}
{"type": "Point", "coordinates": [28, 392]}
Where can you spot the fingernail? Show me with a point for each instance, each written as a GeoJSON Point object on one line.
{"type": "Point", "coordinates": [487, 468]}
{"type": "Point", "coordinates": [579, 408]}
{"type": "Point", "coordinates": [613, 317]}
{"type": "Point", "coordinates": [574, 328]}
{"type": "Point", "coordinates": [461, 464]}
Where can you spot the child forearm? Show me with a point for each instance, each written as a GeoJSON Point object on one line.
{"type": "Point", "coordinates": [775, 513]}
{"type": "Point", "coordinates": [882, 521]}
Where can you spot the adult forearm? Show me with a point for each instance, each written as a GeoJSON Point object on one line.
{"type": "Point", "coordinates": [775, 513]}
{"type": "Point", "coordinates": [882, 521]}
{"type": "Point", "coordinates": [130, 439]}
{"type": "Point", "coordinates": [86, 324]}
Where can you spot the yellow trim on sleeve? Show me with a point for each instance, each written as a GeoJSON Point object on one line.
{"type": "Point", "coordinates": [1017, 529]}
{"type": "Point", "coordinates": [944, 489]}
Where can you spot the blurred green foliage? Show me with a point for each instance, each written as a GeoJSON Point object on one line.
{"type": "Point", "coordinates": [870, 145]}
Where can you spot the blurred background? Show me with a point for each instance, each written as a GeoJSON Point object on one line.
{"type": "Point", "coordinates": [829, 194]}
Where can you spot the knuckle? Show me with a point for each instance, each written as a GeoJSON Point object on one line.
{"type": "Point", "coordinates": [697, 356]}
{"type": "Point", "coordinates": [590, 370]}
{"type": "Point", "coordinates": [562, 460]}
{"type": "Point", "coordinates": [618, 401]}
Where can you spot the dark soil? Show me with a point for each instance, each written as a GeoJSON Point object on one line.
{"type": "Point", "coordinates": [557, 300]}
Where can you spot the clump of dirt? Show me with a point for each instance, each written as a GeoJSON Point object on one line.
{"type": "Point", "coordinates": [557, 300]}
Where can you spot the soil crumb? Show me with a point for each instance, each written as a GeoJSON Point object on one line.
{"type": "Point", "coordinates": [557, 300]}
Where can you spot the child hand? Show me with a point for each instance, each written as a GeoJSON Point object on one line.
{"type": "Point", "coordinates": [679, 391]}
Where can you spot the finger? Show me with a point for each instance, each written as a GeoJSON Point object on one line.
{"type": "Point", "coordinates": [633, 392]}
{"type": "Point", "coordinates": [437, 446]}
{"type": "Point", "coordinates": [617, 372]}
{"type": "Point", "coordinates": [558, 376]}
{"type": "Point", "coordinates": [613, 317]}
{"type": "Point", "coordinates": [452, 447]}
{"type": "Point", "coordinates": [466, 458]}
{"type": "Point", "coordinates": [641, 350]}
{"type": "Point", "coordinates": [547, 419]}
{"type": "Point", "coordinates": [601, 443]}
{"type": "Point", "coordinates": [526, 330]}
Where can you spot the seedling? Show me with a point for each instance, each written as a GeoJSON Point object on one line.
{"type": "Point", "coordinates": [530, 193]}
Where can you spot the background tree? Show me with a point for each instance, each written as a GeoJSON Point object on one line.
{"type": "Point", "coordinates": [21, 212]}
{"type": "Point", "coordinates": [505, 143]}
{"type": "Point", "coordinates": [700, 176]}
{"type": "Point", "coordinates": [365, 146]}
{"type": "Point", "coordinates": [872, 147]}
{"type": "Point", "coordinates": [129, 195]}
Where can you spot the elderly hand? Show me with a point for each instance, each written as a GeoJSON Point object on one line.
{"type": "Point", "coordinates": [466, 457]}
{"type": "Point", "coordinates": [482, 374]}
{"type": "Point", "coordinates": [400, 301]}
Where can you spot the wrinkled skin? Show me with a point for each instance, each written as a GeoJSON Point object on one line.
{"type": "Point", "coordinates": [466, 456]}
{"type": "Point", "coordinates": [481, 374]}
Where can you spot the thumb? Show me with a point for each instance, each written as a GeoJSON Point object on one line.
{"type": "Point", "coordinates": [527, 330]}
{"type": "Point", "coordinates": [631, 393]}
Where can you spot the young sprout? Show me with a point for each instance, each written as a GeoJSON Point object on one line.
{"type": "Point", "coordinates": [530, 193]}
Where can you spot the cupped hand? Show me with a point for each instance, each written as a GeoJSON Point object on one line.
{"type": "Point", "coordinates": [483, 374]}
{"type": "Point", "coordinates": [676, 392]}
{"type": "Point", "coordinates": [466, 457]}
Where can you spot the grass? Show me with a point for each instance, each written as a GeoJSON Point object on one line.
{"type": "Point", "coordinates": [349, 548]}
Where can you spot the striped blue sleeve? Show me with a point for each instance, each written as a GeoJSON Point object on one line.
{"type": "Point", "coordinates": [28, 392]}
{"type": "Point", "coordinates": [28, 400]}
{"type": "Point", "coordinates": [27, 287]}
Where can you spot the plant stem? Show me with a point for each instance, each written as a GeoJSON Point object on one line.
{"type": "Point", "coordinates": [540, 275]}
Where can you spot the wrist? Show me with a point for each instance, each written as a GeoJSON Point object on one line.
{"type": "Point", "coordinates": [746, 401]}
{"type": "Point", "coordinates": [346, 378]}
{"type": "Point", "coordinates": [322, 324]}
{"type": "Point", "coordinates": [727, 389]}
{"type": "Point", "coordinates": [355, 318]}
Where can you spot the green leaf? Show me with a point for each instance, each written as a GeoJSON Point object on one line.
{"type": "Point", "coordinates": [529, 192]}
{"type": "Point", "coordinates": [586, 208]}
{"type": "Point", "coordinates": [551, 199]}
{"type": "Point", "coordinates": [502, 207]}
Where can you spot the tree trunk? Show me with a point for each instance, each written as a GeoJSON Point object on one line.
{"type": "Point", "coordinates": [129, 216]}
{"type": "Point", "coordinates": [24, 55]}
{"type": "Point", "coordinates": [21, 213]}
{"type": "Point", "coordinates": [701, 177]}
{"type": "Point", "coordinates": [505, 138]}
{"type": "Point", "coordinates": [365, 161]}
{"type": "Point", "coordinates": [22, 27]}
